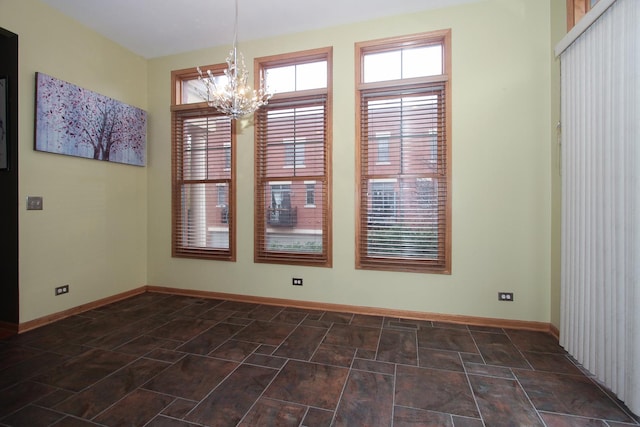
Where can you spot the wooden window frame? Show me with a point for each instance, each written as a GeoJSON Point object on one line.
{"type": "Point", "coordinates": [262, 254]}
{"type": "Point", "coordinates": [576, 9]}
{"type": "Point", "coordinates": [180, 111]}
{"type": "Point", "coordinates": [442, 37]}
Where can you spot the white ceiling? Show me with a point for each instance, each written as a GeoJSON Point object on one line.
{"type": "Point", "coordinates": [153, 28]}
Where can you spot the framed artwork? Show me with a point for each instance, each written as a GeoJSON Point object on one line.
{"type": "Point", "coordinates": [4, 159]}
{"type": "Point", "coordinates": [74, 121]}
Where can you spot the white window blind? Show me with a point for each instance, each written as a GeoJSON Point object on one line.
{"type": "Point", "coordinates": [600, 319]}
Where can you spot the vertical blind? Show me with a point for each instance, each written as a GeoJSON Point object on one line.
{"type": "Point", "coordinates": [600, 317]}
{"type": "Point", "coordinates": [202, 185]}
{"type": "Point", "coordinates": [292, 210]}
{"type": "Point", "coordinates": [403, 172]}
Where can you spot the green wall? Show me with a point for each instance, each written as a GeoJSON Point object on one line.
{"type": "Point", "coordinates": [91, 233]}
{"type": "Point", "coordinates": [105, 228]}
{"type": "Point", "coordinates": [501, 150]}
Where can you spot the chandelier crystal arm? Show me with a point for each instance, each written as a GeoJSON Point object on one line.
{"type": "Point", "coordinates": [235, 98]}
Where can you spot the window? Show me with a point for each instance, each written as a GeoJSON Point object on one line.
{"type": "Point", "coordinates": [383, 202]}
{"type": "Point", "coordinates": [227, 155]}
{"type": "Point", "coordinates": [293, 154]}
{"type": "Point", "coordinates": [203, 179]}
{"type": "Point", "coordinates": [281, 213]}
{"type": "Point", "coordinates": [576, 9]}
{"type": "Point", "coordinates": [311, 195]}
{"type": "Point", "coordinates": [427, 193]}
{"type": "Point", "coordinates": [403, 161]}
{"type": "Point", "coordinates": [222, 194]}
{"type": "Point", "coordinates": [383, 147]}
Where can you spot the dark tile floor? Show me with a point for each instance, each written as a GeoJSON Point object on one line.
{"type": "Point", "coordinates": [173, 361]}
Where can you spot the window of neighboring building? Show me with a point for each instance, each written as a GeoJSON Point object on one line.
{"type": "Point", "coordinates": [427, 193]}
{"type": "Point", "coordinates": [383, 201]}
{"type": "Point", "coordinates": [404, 161]}
{"type": "Point", "coordinates": [311, 194]}
{"type": "Point", "coordinates": [227, 155]}
{"type": "Point", "coordinates": [293, 150]}
{"type": "Point", "coordinates": [222, 194]}
{"type": "Point", "coordinates": [383, 147]}
{"type": "Point", "coordinates": [280, 209]}
{"type": "Point", "coordinates": [203, 177]}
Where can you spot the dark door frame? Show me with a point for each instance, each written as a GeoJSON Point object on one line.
{"type": "Point", "coordinates": [9, 281]}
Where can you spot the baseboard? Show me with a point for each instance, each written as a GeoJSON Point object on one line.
{"type": "Point", "coordinates": [373, 311]}
{"type": "Point", "coordinates": [553, 330]}
{"type": "Point", "coordinates": [310, 305]}
{"type": "Point", "coordinates": [45, 320]}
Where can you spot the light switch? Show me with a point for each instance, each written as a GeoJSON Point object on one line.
{"type": "Point", "coordinates": [34, 203]}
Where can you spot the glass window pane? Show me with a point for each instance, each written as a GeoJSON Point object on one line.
{"type": "Point", "coordinates": [422, 62]}
{"type": "Point", "coordinates": [311, 76]}
{"type": "Point", "coordinates": [402, 219]}
{"type": "Point", "coordinates": [382, 66]}
{"type": "Point", "coordinates": [290, 227]}
{"type": "Point", "coordinates": [403, 64]}
{"type": "Point", "coordinates": [194, 90]}
{"type": "Point", "coordinates": [281, 79]}
{"type": "Point", "coordinates": [190, 91]}
{"type": "Point", "coordinates": [295, 139]}
{"type": "Point", "coordinates": [206, 150]}
{"type": "Point", "coordinates": [297, 77]}
{"type": "Point", "coordinates": [204, 223]}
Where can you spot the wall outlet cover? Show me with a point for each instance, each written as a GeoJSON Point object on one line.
{"type": "Point", "coordinates": [34, 203]}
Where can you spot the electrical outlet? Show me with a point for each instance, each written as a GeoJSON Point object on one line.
{"type": "Point", "coordinates": [505, 296]}
{"type": "Point", "coordinates": [34, 203]}
{"type": "Point", "coordinates": [64, 289]}
{"type": "Point", "coordinates": [296, 281]}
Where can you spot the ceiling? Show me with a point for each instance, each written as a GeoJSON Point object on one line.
{"type": "Point", "coordinates": [153, 28]}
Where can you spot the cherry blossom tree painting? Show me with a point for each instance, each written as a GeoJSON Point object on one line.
{"type": "Point", "coordinates": [78, 122]}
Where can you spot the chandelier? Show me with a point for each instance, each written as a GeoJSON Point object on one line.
{"type": "Point", "coordinates": [233, 96]}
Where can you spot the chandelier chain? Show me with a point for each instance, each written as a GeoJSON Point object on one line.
{"type": "Point", "coordinates": [230, 93]}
